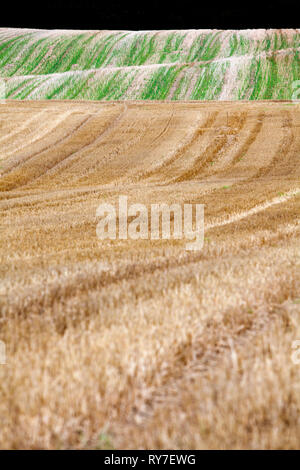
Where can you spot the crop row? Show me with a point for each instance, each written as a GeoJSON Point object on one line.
{"type": "Point", "coordinates": [193, 64]}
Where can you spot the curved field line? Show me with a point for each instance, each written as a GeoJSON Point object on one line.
{"type": "Point", "coordinates": [52, 147]}
{"type": "Point", "coordinates": [283, 149]}
{"type": "Point", "coordinates": [241, 142]}
{"type": "Point", "coordinates": [221, 145]}
{"type": "Point", "coordinates": [41, 136]}
{"type": "Point", "coordinates": [49, 130]}
{"type": "Point", "coordinates": [85, 122]}
{"type": "Point", "coordinates": [199, 131]}
{"type": "Point", "coordinates": [33, 136]}
{"type": "Point", "coordinates": [291, 164]}
{"type": "Point", "coordinates": [249, 141]}
{"type": "Point", "coordinates": [21, 128]}
{"type": "Point", "coordinates": [255, 210]}
{"type": "Point", "coordinates": [104, 279]}
{"type": "Point", "coordinates": [203, 160]}
{"type": "Point", "coordinates": [242, 150]}
{"type": "Point", "coordinates": [112, 154]}
{"type": "Point", "coordinates": [63, 164]}
{"type": "Point", "coordinates": [165, 129]}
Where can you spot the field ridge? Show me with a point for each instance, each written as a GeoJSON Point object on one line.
{"type": "Point", "coordinates": [150, 65]}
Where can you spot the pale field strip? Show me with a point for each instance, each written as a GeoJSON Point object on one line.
{"type": "Point", "coordinates": [38, 134]}
{"type": "Point", "coordinates": [61, 129]}
{"type": "Point", "coordinates": [91, 147]}
{"type": "Point", "coordinates": [255, 210]}
{"type": "Point", "coordinates": [235, 60]}
{"type": "Point", "coordinates": [34, 132]}
{"type": "Point", "coordinates": [21, 127]}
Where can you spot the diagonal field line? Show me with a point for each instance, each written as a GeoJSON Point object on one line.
{"type": "Point", "coordinates": [254, 210]}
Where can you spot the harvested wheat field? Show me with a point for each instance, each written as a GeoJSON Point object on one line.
{"type": "Point", "coordinates": [142, 344]}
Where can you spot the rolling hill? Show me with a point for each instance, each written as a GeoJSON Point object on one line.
{"type": "Point", "coordinates": [139, 343]}
{"type": "Point", "coordinates": [149, 65]}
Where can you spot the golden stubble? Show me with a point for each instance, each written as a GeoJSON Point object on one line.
{"type": "Point", "coordinates": [141, 344]}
